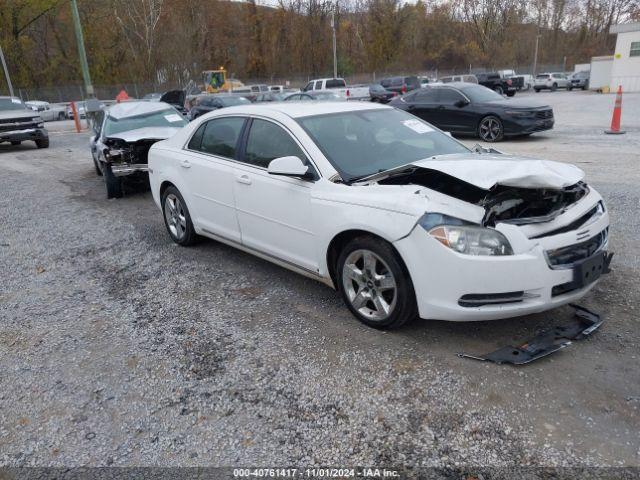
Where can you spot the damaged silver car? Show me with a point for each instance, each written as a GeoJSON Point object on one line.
{"type": "Point", "coordinates": [123, 136]}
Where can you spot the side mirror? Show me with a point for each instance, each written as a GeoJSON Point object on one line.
{"type": "Point", "coordinates": [461, 103]}
{"type": "Point", "coordinates": [290, 166]}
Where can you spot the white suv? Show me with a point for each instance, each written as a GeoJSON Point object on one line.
{"type": "Point", "coordinates": [551, 81]}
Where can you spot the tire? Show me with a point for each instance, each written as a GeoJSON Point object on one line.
{"type": "Point", "coordinates": [61, 116]}
{"type": "Point", "coordinates": [42, 143]}
{"type": "Point", "coordinates": [584, 87]}
{"type": "Point", "coordinates": [16, 143]}
{"type": "Point", "coordinates": [498, 89]}
{"type": "Point", "coordinates": [569, 88]}
{"type": "Point", "coordinates": [511, 94]}
{"type": "Point", "coordinates": [177, 219]}
{"type": "Point", "coordinates": [113, 183]}
{"type": "Point", "coordinates": [97, 166]}
{"type": "Point", "coordinates": [554, 87]}
{"type": "Point", "coordinates": [537, 90]}
{"type": "Point", "coordinates": [363, 266]}
{"type": "Point", "coordinates": [490, 129]}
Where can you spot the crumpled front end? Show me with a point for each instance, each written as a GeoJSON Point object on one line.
{"type": "Point", "coordinates": [126, 158]}
{"type": "Point", "coordinates": [558, 243]}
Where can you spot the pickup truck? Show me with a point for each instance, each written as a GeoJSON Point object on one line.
{"type": "Point", "coordinates": [495, 81]}
{"type": "Point", "coordinates": [47, 111]}
{"type": "Point", "coordinates": [18, 123]}
{"type": "Point", "coordinates": [339, 86]}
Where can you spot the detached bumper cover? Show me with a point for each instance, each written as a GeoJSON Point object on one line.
{"type": "Point", "coordinates": [584, 323]}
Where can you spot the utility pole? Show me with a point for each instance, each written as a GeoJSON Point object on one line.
{"type": "Point", "coordinates": [535, 57]}
{"type": "Point", "coordinates": [335, 50]}
{"type": "Point", "coordinates": [81, 51]}
{"type": "Point", "coordinates": [6, 72]}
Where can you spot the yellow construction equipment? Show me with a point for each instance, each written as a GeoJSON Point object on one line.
{"type": "Point", "coordinates": [216, 81]}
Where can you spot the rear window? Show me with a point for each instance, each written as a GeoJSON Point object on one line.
{"type": "Point", "coordinates": [336, 83]}
{"type": "Point", "coordinates": [542, 77]}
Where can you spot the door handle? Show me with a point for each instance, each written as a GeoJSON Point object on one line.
{"type": "Point", "coordinates": [244, 179]}
{"type": "Point", "coordinates": [185, 164]}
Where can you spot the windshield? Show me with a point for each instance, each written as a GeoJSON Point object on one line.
{"type": "Point", "coordinates": [480, 94]}
{"type": "Point", "coordinates": [361, 143]}
{"type": "Point", "coordinates": [162, 118]}
{"type": "Point", "coordinates": [231, 101]}
{"type": "Point", "coordinates": [11, 104]}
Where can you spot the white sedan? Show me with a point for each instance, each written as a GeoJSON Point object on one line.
{"type": "Point", "coordinates": [399, 217]}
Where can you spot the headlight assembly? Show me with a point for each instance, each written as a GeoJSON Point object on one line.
{"type": "Point", "coordinates": [519, 113]}
{"type": "Point", "coordinates": [464, 237]}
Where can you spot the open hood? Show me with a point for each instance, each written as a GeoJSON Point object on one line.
{"type": "Point", "coordinates": [146, 133]}
{"type": "Point", "coordinates": [487, 171]}
{"type": "Point", "coordinates": [174, 97]}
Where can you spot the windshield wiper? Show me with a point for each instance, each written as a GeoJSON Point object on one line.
{"type": "Point", "coordinates": [393, 172]}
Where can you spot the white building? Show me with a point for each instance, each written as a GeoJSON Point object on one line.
{"type": "Point", "coordinates": [625, 69]}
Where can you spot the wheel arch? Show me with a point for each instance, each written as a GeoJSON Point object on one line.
{"type": "Point", "coordinates": [341, 239]}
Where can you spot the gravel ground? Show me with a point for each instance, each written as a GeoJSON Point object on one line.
{"type": "Point", "coordinates": [120, 348]}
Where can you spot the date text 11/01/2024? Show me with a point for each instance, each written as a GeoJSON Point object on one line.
{"type": "Point", "coordinates": [315, 473]}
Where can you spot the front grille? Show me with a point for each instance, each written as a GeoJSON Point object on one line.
{"type": "Point", "coordinates": [544, 114]}
{"type": "Point", "coordinates": [567, 256]}
{"type": "Point", "coordinates": [16, 124]}
{"type": "Point", "coordinates": [599, 208]}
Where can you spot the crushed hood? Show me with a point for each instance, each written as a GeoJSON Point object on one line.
{"type": "Point", "coordinates": [146, 133]}
{"type": "Point", "coordinates": [487, 171]}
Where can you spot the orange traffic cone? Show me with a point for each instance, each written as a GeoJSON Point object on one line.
{"type": "Point", "coordinates": [617, 112]}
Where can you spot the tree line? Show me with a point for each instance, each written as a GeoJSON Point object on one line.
{"type": "Point", "coordinates": [171, 41]}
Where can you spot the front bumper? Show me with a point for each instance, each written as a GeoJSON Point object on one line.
{"type": "Point", "coordinates": [24, 134]}
{"type": "Point", "coordinates": [456, 287]}
{"type": "Point", "coordinates": [524, 126]}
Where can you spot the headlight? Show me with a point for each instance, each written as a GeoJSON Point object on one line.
{"type": "Point", "coordinates": [463, 237]}
{"type": "Point", "coordinates": [40, 125]}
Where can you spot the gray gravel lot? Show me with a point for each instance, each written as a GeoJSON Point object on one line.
{"type": "Point", "coordinates": [118, 347]}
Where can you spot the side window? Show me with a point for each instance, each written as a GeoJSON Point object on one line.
{"type": "Point", "coordinates": [196, 140]}
{"type": "Point", "coordinates": [385, 83]}
{"type": "Point", "coordinates": [220, 136]}
{"type": "Point", "coordinates": [448, 96]}
{"type": "Point", "coordinates": [319, 85]}
{"type": "Point", "coordinates": [268, 141]}
{"type": "Point", "coordinates": [426, 95]}
{"type": "Point", "coordinates": [308, 87]}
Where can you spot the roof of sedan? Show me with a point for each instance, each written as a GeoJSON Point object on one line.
{"type": "Point", "coordinates": [305, 109]}
{"type": "Point", "coordinates": [132, 109]}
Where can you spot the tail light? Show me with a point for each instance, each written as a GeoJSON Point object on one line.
{"type": "Point", "coordinates": [404, 89]}
{"type": "Point", "coordinates": [509, 82]}
{"type": "Point", "coordinates": [348, 93]}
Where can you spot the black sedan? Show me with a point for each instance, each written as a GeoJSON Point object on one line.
{"type": "Point", "coordinates": [209, 103]}
{"type": "Point", "coordinates": [380, 94]}
{"type": "Point", "coordinates": [469, 109]}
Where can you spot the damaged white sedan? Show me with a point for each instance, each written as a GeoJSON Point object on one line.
{"type": "Point", "coordinates": [402, 219]}
{"type": "Point", "coordinates": [122, 137]}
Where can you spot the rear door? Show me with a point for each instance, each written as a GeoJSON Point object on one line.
{"type": "Point", "coordinates": [207, 166]}
{"type": "Point", "coordinates": [274, 212]}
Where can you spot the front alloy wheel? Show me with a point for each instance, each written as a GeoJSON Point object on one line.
{"type": "Point", "coordinates": [375, 284]}
{"type": "Point", "coordinates": [369, 284]}
{"type": "Point", "coordinates": [490, 129]}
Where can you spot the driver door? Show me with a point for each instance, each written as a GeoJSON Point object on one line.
{"type": "Point", "coordinates": [274, 212]}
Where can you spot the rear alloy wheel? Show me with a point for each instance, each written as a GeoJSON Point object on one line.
{"type": "Point", "coordinates": [177, 218]}
{"type": "Point", "coordinates": [374, 283]}
{"type": "Point", "coordinates": [490, 129]}
{"type": "Point", "coordinates": [554, 87]}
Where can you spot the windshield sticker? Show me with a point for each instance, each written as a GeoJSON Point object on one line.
{"type": "Point", "coordinates": [417, 126]}
{"type": "Point", "coordinates": [174, 117]}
